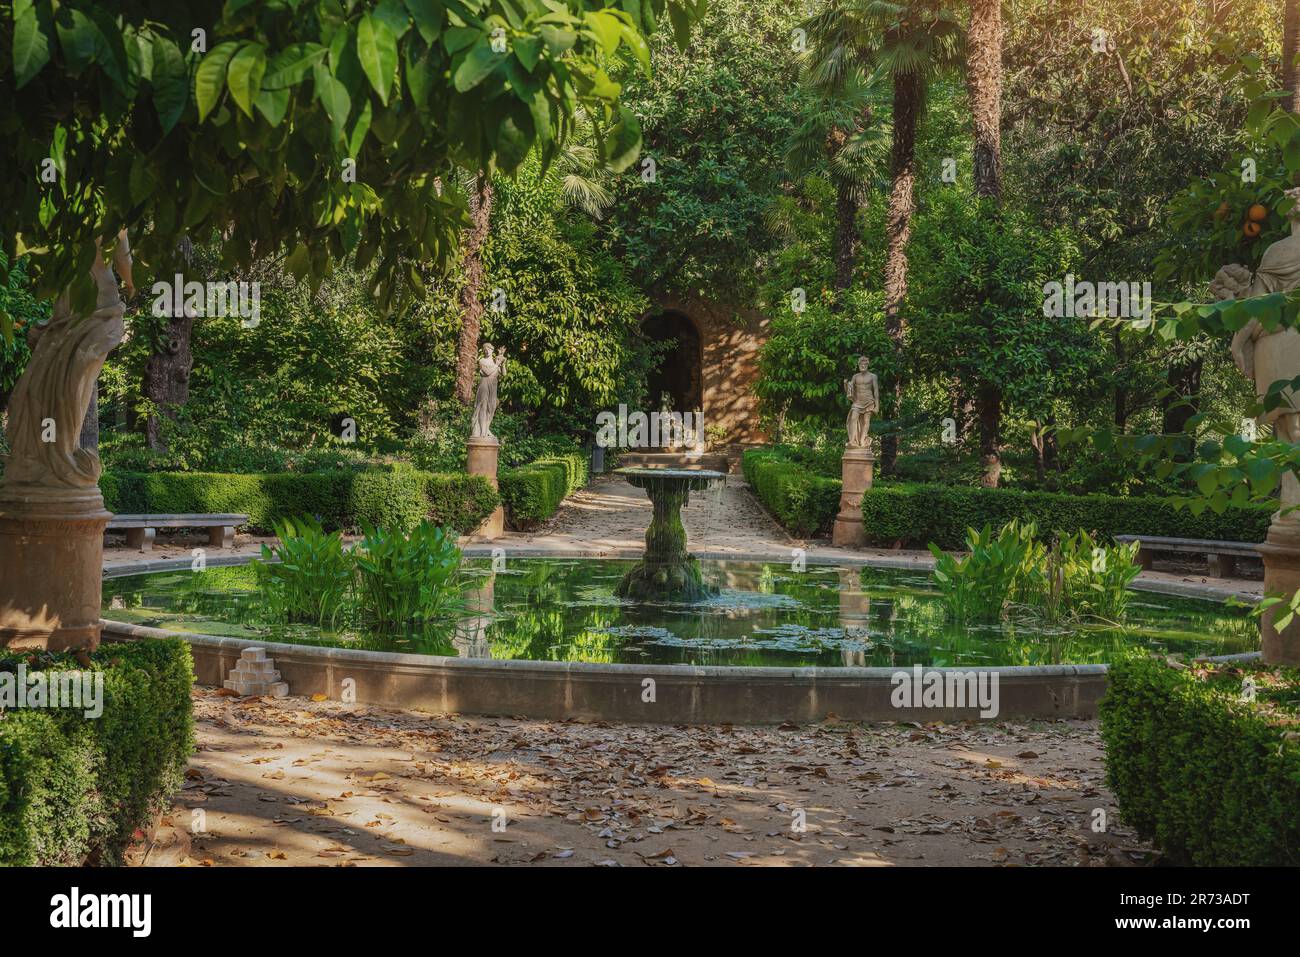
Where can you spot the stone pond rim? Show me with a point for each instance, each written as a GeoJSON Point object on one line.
{"type": "Point", "coordinates": [667, 572]}
{"type": "Point", "coordinates": [563, 690]}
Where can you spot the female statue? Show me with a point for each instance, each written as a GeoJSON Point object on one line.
{"type": "Point", "coordinates": [490, 366]}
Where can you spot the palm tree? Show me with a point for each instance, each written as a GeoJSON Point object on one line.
{"type": "Point", "coordinates": [583, 183]}
{"type": "Point", "coordinates": [984, 82]}
{"type": "Point", "coordinates": [837, 132]}
{"type": "Point", "coordinates": [909, 43]}
{"type": "Point", "coordinates": [1290, 50]}
{"type": "Point", "coordinates": [471, 293]}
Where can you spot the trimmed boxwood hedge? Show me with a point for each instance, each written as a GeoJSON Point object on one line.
{"type": "Point", "coordinates": [915, 515]}
{"type": "Point", "coordinates": [74, 789]}
{"type": "Point", "coordinates": [389, 498]}
{"type": "Point", "coordinates": [532, 492]}
{"type": "Point", "coordinates": [1210, 778]}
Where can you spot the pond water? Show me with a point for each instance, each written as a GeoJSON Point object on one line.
{"type": "Point", "coordinates": [765, 614]}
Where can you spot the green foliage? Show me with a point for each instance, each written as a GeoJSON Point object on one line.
{"type": "Point", "coordinates": [1013, 572]}
{"type": "Point", "coordinates": [405, 579]}
{"type": "Point", "coordinates": [23, 310]}
{"type": "Point", "coordinates": [976, 309]}
{"type": "Point", "coordinates": [1213, 779]}
{"type": "Point", "coordinates": [809, 354]}
{"type": "Point", "coordinates": [396, 498]}
{"type": "Point", "coordinates": [532, 493]}
{"type": "Point", "coordinates": [715, 118]}
{"type": "Point", "coordinates": [73, 790]}
{"type": "Point", "coordinates": [802, 501]}
{"type": "Point", "coordinates": [997, 572]}
{"type": "Point", "coordinates": [307, 575]}
{"type": "Point", "coordinates": [912, 515]}
{"type": "Point", "coordinates": [250, 135]}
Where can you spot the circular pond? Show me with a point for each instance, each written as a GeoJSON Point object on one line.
{"type": "Point", "coordinates": [765, 614]}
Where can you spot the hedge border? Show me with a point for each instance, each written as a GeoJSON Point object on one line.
{"type": "Point", "coordinates": [347, 499]}
{"type": "Point", "coordinates": [1199, 771]}
{"type": "Point", "coordinates": [532, 493]}
{"type": "Point", "coordinates": [915, 515]}
{"type": "Point", "coordinates": [73, 789]}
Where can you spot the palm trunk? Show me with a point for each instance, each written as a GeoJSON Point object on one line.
{"type": "Point", "coordinates": [1290, 50]}
{"type": "Point", "coordinates": [846, 238]}
{"type": "Point", "coordinates": [908, 94]}
{"type": "Point", "coordinates": [471, 294]}
{"type": "Point", "coordinates": [984, 82]}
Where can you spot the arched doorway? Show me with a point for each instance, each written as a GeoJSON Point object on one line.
{"type": "Point", "coordinates": [679, 373]}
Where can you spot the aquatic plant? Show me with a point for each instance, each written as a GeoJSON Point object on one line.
{"type": "Point", "coordinates": [1012, 574]}
{"type": "Point", "coordinates": [307, 575]}
{"type": "Point", "coordinates": [402, 579]}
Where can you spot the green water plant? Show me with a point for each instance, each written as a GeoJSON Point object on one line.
{"type": "Point", "coordinates": [411, 578]}
{"type": "Point", "coordinates": [996, 572]}
{"type": "Point", "coordinates": [1012, 574]}
{"type": "Point", "coordinates": [307, 575]}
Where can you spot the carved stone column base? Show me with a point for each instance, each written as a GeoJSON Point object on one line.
{"type": "Point", "coordinates": [481, 459]}
{"type": "Point", "coordinates": [1281, 554]}
{"type": "Point", "coordinates": [51, 567]}
{"type": "Point", "coordinates": [857, 469]}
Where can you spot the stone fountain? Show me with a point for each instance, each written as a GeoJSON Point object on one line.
{"type": "Point", "coordinates": [667, 572]}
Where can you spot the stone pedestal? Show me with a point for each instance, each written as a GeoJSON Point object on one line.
{"type": "Point", "coordinates": [1281, 554]}
{"type": "Point", "coordinates": [857, 469]}
{"type": "Point", "coordinates": [51, 567]}
{"type": "Point", "coordinates": [481, 459]}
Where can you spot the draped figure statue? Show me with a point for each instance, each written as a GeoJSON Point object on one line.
{"type": "Point", "coordinates": [490, 366]}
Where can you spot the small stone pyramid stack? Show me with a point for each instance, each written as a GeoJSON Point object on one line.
{"type": "Point", "coordinates": [255, 674]}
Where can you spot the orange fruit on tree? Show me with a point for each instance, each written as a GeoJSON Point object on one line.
{"type": "Point", "coordinates": [1251, 229]}
{"type": "Point", "coordinates": [1257, 213]}
{"type": "Point", "coordinates": [1222, 210]}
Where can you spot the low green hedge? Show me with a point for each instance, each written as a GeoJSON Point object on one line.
{"type": "Point", "coordinates": [803, 501]}
{"type": "Point", "coordinates": [915, 515]}
{"type": "Point", "coordinates": [389, 498]}
{"type": "Point", "coordinates": [532, 492]}
{"type": "Point", "coordinates": [1211, 778]}
{"type": "Point", "coordinates": [74, 789]}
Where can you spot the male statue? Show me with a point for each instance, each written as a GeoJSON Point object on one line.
{"type": "Point", "coordinates": [863, 391]}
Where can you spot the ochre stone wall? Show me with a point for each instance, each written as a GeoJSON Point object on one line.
{"type": "Point", "coordinates": [729, 343]}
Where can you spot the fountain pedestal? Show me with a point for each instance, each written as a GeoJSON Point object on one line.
{"type": "Point", "coordinates": [857, 468]}
{"type": "Point", "coordinates": [667, 572]}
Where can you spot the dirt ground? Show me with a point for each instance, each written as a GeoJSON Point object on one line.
{"type": "Point", "coordinates": [294, 781]}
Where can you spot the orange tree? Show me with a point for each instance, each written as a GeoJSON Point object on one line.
{"type": "Point", "coordinates": [311, 129]}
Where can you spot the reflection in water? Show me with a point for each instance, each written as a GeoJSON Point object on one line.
{"type": "Point", "coordinates": [765, 614]}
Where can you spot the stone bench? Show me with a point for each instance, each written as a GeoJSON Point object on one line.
{"type": "Point", "coordinates": [140, 529]}
{"type": "Point", "coordinates": [1220, 556]}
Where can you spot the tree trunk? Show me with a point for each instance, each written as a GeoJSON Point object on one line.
{"type": "Point", "coordinates": [471, 301]}
{"type": "Point", "coordinates": [1121, 392]}
{"type": "Point", "coordinates": [1290, 50]}
{"type": "Point", "coordinates": [908, 94]}
{"type": "Point", "coordinates": [988, 404]}
{"type": "Point", "coordinates": [846, 238]}
{"type": "Point", "coordinates": [1182, 403]}
{"type": "Point", "coordinates": [167, 377]}
{"type": "Point", "coordinates": [984, 81]}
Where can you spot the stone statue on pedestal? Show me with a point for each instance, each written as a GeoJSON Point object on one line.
{"type": "Point", "coordinates": [1266, 358]}
{"type": "Point", "coordinates": [863, 392]}
{"type": "Point", "coordinates": [490, 366]}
